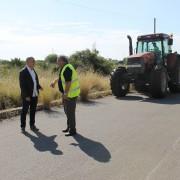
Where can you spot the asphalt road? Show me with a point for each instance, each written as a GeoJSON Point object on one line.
{"type": "Point", "coordinates": [135, 138]}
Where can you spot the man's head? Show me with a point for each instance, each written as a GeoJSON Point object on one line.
{"type": "Point", "coordinates": [154, 44]}
{"type": "Point", "coordinates": [61, 61]}
{"type": "Point", "coordinates": [30, 62]}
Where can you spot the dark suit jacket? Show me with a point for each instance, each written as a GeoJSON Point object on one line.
{"type": "Point", "coordinates": [26, 83]}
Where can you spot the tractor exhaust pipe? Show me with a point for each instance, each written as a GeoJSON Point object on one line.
{"type": "Point", "coordinates": [130, 45]}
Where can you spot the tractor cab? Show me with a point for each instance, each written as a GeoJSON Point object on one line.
{"type": "Point", "coordinates": [159, 44]}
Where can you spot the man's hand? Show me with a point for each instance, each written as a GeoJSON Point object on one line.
{"type": "Point", "coordinates": [28, 99]}
{"type": "Point", "coordinates": [65, 97]}
{"type": "Point", "coordinates": [52, 85]}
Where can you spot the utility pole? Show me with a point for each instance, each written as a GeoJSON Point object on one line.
{"type": "Point", "coordinates": [154, 25]}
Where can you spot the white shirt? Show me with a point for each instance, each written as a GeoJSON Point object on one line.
{"type": "Point", "coordinates": [33, 75]}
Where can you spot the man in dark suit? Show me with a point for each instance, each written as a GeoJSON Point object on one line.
{"type": "Point", "coordinates": [29, 85]}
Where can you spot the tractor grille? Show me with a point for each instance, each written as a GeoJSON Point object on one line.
{"type": "Point", "coordinates": [135, 66]}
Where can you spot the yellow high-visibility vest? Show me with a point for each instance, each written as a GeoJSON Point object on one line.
{"type": "Point", "coordinates": [74, 90]}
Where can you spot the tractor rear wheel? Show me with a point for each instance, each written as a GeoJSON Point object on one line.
{"type": "Point", "coordinates": [119, 83]}
{"type": "Point", "coordinates": [159, 83]}
{"type": "Point", "coordinates": [175, 88]}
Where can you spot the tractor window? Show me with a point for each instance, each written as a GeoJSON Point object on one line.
{"type": "Point", "coordinates": [150, 46]}
{"type": "Point", "coordinates": [166, 47]}
{"type": "Point", "coordinates": [155, 46]}
{"type": "Point", "coordinates": [140, 47]}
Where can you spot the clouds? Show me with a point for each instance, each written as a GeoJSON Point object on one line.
{"type": "Point", "coordinates": [22, 40]}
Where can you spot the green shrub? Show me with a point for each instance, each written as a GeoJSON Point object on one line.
{"type": "Point", "coordinates": [91, 60]}
{"type": "Point", "coordinates": [51, 58]}
{"type": "Point", "coordinates": [16, 62]}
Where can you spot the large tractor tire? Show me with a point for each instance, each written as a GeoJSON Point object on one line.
{"type": "Point", "coordinates": [119, 83]}
{"type": "Point", "coordinates": [175, 87]}
{"type": "Point", "coordinates": [159, 83]}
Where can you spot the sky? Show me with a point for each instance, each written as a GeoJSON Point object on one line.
{"type": "Point", "coordinates": [40, 27]}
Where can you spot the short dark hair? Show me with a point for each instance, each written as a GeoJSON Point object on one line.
{"type": "Point", "coordinates": [30, 58]}
{"type": "Point", "coordinates": [63, 58]}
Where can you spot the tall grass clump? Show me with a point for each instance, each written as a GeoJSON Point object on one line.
{"type": "Point", "coordinates": [9, 89]}
{"type": "Point", "coordinates": [48, 94]}
{"type": "Point", "coordinates": [92, 82]}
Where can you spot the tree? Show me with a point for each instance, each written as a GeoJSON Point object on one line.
{"type": "Point", "coordinates": [16, 62]}
{"type": "Point", "coordinates": [51, 58]}
{"type": "Point", "coordinates": [91, 60]}
{"type": "Point", "coordinates": [86, 60]}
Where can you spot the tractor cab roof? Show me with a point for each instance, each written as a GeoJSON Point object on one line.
{"type": "Point", "coordinates": [150, 37]}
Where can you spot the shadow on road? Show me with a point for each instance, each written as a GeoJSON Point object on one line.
{"type": "Point", "coordinates": [131, 98]}
{"type": "Point", "coordinates": [91, 103]}
{"type": "Point", "coordinates": [171, 99]}
{"type": "Point", "coordinates": [54, 112]}
{"type": "Point", "coordinates": [94, 149]}
{"type": "Point", "coordinates": [44, 143]}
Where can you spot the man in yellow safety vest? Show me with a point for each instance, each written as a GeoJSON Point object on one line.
{"type": "Point", "coordinates": [69, 86]}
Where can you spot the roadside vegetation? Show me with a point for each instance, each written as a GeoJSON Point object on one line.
{"type": "Point", "coordinates": [93, 71]}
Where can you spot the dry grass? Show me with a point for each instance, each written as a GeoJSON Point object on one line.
{"type": "Point", "coordinates": [92, 82]}
{"type": "Point", "coordinates": [10, 92]}
{"type": "Point", "coordinates": [48, 94]}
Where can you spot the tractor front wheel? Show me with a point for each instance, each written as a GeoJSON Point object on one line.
{"type": "Point", "coordinates": [119, 83]}
{"type": "Point", "coordinates": [159, 83]}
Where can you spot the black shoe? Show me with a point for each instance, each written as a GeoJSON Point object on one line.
{"type": "Point", "coordinates": [34, 128]}
{"type": "Point", "coordinates": [65, 130]}
{"type": "Point", "coordinates": [23, 130]}
{"type": "Point", "coordinates": [71, 134]}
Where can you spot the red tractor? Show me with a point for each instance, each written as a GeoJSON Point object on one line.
{"type": "Point", "coordinates": [154, 68]}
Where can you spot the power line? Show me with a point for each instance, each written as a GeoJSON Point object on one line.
{"type": "Point", "coordinates": [95, 9]}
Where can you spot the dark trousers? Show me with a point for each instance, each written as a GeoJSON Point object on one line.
{"type": "Point", "coordinates": [32, 104]}
{"type": "Point", "coordinates": [70, 111]}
